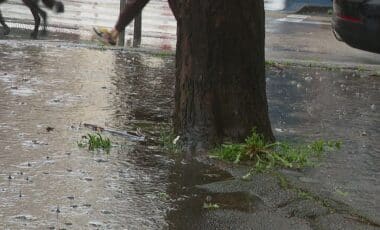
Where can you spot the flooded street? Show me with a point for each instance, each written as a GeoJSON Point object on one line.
{"type": "Point", "coordinates": [49, 89]}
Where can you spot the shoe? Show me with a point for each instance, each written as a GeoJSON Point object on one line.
{"type": "Point", "coordinates": [105, 36]}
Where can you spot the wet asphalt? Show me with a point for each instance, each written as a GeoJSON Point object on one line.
{"type": "Point", "coordinates": [50, 88]}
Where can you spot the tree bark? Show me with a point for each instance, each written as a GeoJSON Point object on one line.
{"type": "Point", "coordinates": [220, 72]}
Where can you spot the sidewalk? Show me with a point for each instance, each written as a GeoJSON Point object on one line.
{"type": "Point", "coordinates": [62, 85]}
{"type": "Point", "coordinates": [307, 103]}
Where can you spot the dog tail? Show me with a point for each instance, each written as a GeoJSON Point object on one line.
{"type": "Point", "coordinates": [57, 6]}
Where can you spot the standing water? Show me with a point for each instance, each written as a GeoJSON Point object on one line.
{"type": "Point", "coordinates": [48, 91]}
{"type": "Point", "coordinates": [46, 180]}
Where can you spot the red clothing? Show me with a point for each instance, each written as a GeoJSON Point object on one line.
{"type": "Point", "coordinates": [131, 10]}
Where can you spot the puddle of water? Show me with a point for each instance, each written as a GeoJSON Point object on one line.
{"type": "Point", "coordinates": [44, 171]}
{"type": "Point", "coordinates": [51, 182]}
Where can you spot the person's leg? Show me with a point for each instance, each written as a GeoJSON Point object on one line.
{"type": "Point", "coordinates": [5, 26]}
{"type": "Point", "coordinates": [173, 7]}
{"type": "Point", "coordinates": [43, 15]}
{"type": "Point", "coordinates": [131, 10]}
{"type": "Point", "coordinates": [37, 20]}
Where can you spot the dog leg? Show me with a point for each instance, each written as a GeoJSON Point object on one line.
{"type": "Point", "coordinates": [44, 20]}
{"type": "Point", "coordinates": [37, 20]}
{"type": "Point", "coordinates": [5, 26]}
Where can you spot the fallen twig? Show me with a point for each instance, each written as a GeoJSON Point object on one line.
{"type": "Point", "coordinates": [130, 135]}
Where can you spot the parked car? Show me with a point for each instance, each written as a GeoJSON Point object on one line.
{"type": "Point", "coordinates": [357, 23]}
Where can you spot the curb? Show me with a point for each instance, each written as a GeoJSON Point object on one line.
{"type": "Point", "coordinates": [296, 6]}
{"type": "Point", "coordinates": [373, 69]}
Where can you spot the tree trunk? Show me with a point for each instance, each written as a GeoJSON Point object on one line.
{"type": "Point", "coordinates": [220, 72]}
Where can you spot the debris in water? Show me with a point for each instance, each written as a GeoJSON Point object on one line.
{"type": "Point", "coordinates": [101, 160]}
{"type": "Point", "coordinates": [176, 140]}
{"type": "Point", "coordinates": [106, 212]}
{"type": "Point", "coordinates": [308, 79]}
{"type": "Point", "coordinates": [36, 142]}
{"type": "Point", "coordinates": [341, 193]}
{"type": "Point", "coordinates": [134, 136]}
{"type": "Point", "coordinates": [49, 129]}
{"type": "Point", "coordinates": [25, 218]}
{"type": "Point", "coordinates": [373, 107]}
{"type": "Point", "coordinates": [210, 206]}
{"type": "Point", "coordinates": [279, 130]}
{"type": "Point", "coordinates": [95, 224]}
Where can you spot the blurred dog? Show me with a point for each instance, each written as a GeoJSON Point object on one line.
{"type": "Point", "coordinates": [37, 12]}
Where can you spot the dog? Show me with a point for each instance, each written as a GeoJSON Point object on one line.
{"type": "Point", "coordinates": [37, 12]}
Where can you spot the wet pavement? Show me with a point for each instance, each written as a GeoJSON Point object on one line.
{"type": "Point", "coordinates": [50, 88]}
{"type": "Point", "coordinates": [158, 23]}
{"type": "Point", "coordinates": [46, 180]}
{"type": "Point", "coordinates": [333, 105]}
{"type": "Point", "coordinates": [301, 37]}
